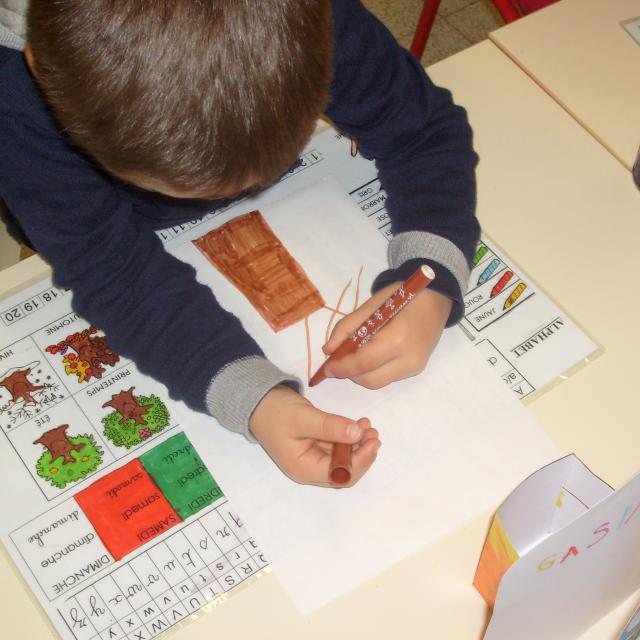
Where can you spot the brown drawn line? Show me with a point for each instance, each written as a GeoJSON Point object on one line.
{"type": "Point", "coordinates": [333, 315]}
{"type": "Point", "coordinates": [357, 298]}
{"type": "Point", "coordinates": [307, 332]}
{"type": "Point", "coordinates": [336, 311]}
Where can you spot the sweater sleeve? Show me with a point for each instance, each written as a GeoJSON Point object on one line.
{"type": "Point", "coordinates": [422, 145]}
{"type": "Point", "coordinates": [147, 302]}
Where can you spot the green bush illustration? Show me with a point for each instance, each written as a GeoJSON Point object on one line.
{"type": "Point", "coordinates": [126, 433]}
{"type": "Point", "coordinates": [87, 457]}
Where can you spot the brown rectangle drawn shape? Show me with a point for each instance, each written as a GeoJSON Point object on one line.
{"type": "Point", "coordinates": [247, 252]}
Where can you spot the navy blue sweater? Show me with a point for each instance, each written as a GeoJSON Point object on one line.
{"type": "Point", "coordinates": [98, 234]}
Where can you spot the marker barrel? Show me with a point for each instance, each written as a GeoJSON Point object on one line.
{"type": "Point", "coordinates": [340, 469]}
{"type": "Point", "coordinates": [379, 318]}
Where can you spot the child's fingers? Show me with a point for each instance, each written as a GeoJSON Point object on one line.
{"type": "Point", "coordinates": [386, 374]}
{"type": "Point", "coordinates": [369, 434]}
{"type": "Point", "coordinates": [343, 329]}
{"type": "Point", "coordinates": [380, 362]}
{"type": "Point", "coordinates": [372, 356]}
{"type": "Point", "coordinates": [315, 464]}
{"type": "Point", "coordinates": [328, 427]}
{"type": "Point", "coordinates": [363, 457]}
{"type": "Point", "coordinates": [347, 325]}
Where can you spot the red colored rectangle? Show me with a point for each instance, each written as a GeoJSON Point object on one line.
{"type": "Point", "coordinates": [127, 509]}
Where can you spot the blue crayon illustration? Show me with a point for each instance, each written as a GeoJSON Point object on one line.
{"type": "Point", "coordinates": [486, 274]}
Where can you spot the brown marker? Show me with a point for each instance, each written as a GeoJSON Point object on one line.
{"type": "Point", "coordinates": [340, 468]}
{"type": "Point", "coordinates": [398, 300]}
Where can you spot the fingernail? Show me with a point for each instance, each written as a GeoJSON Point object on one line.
{"type": "Point", "coordinates": [328, 373]}
{"type": "Point", "coordinates": [353, 430]}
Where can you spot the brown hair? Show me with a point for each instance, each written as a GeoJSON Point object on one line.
{"type": "Point", "coordinates": [199, 94]}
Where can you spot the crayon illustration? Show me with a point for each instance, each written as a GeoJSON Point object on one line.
{"type": "Point", "coordinates": [83, 354]}
{"type": "Point", "coordinates": [480, 253]}
{"type": "Point", "coordinates": [488, 272]}
{"type": "Point", "coordinates": [517, 292]}
{"type": "Point", "coordinates": [135, 419]}
{"type": "Point", "coordinates": [29, 390]}
{"type": "Point", "coordinates": [67, 458]}
{"type": "Point", "coordinates": [501, 284]}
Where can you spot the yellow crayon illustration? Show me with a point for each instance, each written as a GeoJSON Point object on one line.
{"type": "Point", "coordinates": [515, 294]}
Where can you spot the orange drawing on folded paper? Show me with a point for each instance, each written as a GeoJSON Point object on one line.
{"type": "Point", "coordinates": [498, 554]}
{"type": "Point", "coordinates": [249, 254]}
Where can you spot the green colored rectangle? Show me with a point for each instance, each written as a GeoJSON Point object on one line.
{"type": "Point", "coordinates": [181, 475]}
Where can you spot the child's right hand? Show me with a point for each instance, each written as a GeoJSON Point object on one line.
{"type": "Point", "coordinates": [299, 438]}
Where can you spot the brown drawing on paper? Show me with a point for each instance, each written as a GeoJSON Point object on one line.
{"type": "Point", "coordinates": [249, 254]}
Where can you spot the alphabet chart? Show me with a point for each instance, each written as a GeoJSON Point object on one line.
{"type": "Point", "coordinates": [115, 521]}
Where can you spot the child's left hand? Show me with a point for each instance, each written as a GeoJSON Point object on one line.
{"type": "Point", "coordinates": [400, 350]}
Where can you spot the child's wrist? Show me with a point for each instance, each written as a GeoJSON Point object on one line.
{"type": "Point", "coordinates": [270, 409]}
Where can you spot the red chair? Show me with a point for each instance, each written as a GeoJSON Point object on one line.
{"type": "Point", "coordinates": [510, 10]}
{"type": "Point", "coordinates": [423, 29]}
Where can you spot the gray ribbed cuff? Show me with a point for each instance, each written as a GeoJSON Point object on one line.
{"type": "Point", "coordinates": [235, 392]}
{"type": "Point", "coordinates": [10, 39]}
{"type": "Point", "coordinates": [422, 244]}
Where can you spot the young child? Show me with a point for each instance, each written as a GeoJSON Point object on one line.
{"type": "Point", "coordinates": [121, 118]}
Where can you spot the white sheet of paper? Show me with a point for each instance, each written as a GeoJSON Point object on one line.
{"type": "Point", "coordinates": [455, 440]}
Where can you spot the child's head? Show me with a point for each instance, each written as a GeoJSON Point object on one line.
{"type": "Point", "coordinates": [200, 97]}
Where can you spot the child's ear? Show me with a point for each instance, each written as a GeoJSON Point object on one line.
{"type": "Point", "coordinates": [28, 55]}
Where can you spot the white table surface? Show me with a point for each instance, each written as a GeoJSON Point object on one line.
{"type": "Point", "coordinates": [579, 53]}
